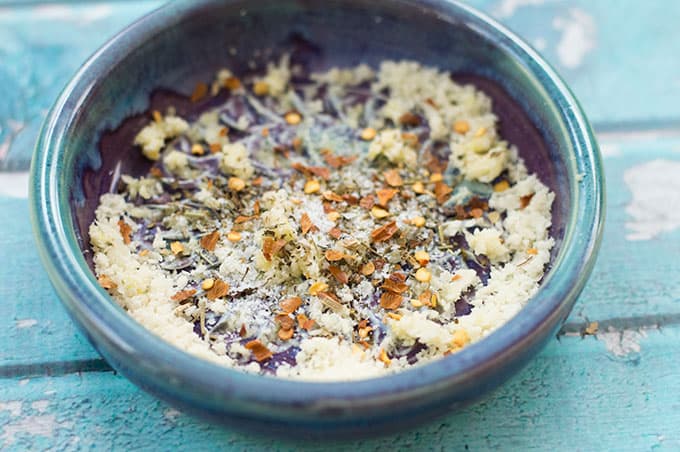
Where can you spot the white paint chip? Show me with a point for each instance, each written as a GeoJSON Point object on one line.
{"type": "Point", "coordinates": [13, 406]}
{"type": "Point", "coordinates": [540, 44]}
{"type": "Point", "coordinates": [24, 382]}
{"type": "Point", "coordinates": [578, 37]}
{"type": "Point", "coordinates": [41, 425]}
{"type": "Point", "coordinates": [26, 323]}
{"type": "Point", "coordinates": [621, 343]}
{"type": "Point", "coordinates": [40, 405]}
{"type": "Point", "coordinates": [171, 414]}
{"type": "Point", "coordinates": [610, 150]}
{"type": "Point", "coordinates": [655, 204]}
{"type": "Point", "coordinates": [507, 8]}
{"type": "Point", "coordinates": [83, 16]}
{"type": "Point", "coordinates": [14, 185]}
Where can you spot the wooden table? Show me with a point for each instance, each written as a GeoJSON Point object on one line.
{"type": "Point", "coordinates": [616, 389]}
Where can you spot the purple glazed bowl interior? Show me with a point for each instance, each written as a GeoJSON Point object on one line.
{"type": "Point", "coordinates": [87, 142]}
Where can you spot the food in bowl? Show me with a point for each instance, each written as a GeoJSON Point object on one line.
{"type": "Point", "coordinates": [326, 226]}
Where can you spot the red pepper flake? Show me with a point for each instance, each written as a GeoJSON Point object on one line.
{"type": "Point", "coordinates": [256, 208]}
{"type": "Point", "coordinates": [350, 199]}
{"type": "Point", "coordinates": [125, 231]}
{"type": "Point", "coordinates": [335, 233]}
{"type": "Point", "coordinates": [215, 148]}
{"type": "Point", "coordinates": [409, 119]}
{"type": "Point", "coordinates": [338, 161]}
{"type": "Point", "coordinates": [286, 334]}
{"type": "Point", "coordinates": [393, 178]}
{"type": "Point", "coordinates": [243, 332]}
{"type": "Point", "coordinates": [395, 283]}
{"type": "Point", "coordinates": [271, 247]}
{"type": "Point", "coordinates": [390, 300]}
{"type": "Point", "coordinates": [334, 255]}
{"type": "Point", "coordinates": [289, 305]}
{"type": "Point", "coordinates": [156, 172]}
{"type": "Point", "coordinates": [410, 138]}
{"type": "Point", "coordinates": [242, 219]}
{"type": "Point", "coordinates": [478, 203]}
{"type": "Point", "coordinates": [461, 214]}
{"type": "Point", "coordinates": [328, 207]}
{"type": "Point", "coordinates": [320, 171]}
{"type": "Point", "coordinates": [285, 322]}
{"type": "Point", "coordinates": [297, 143]}
{"type": "Point", "coordinates": [183, 295]}
{"type": "Point", "coordinates": [338, 274]}
{"type": "Point", "coordinates": [367, 202]}
{"type": "Point", "coordinates": [218, 290]}
{"type": "Point", "coordinates": [257, 181]}
{"type": "Point", "coordinates": [106, 282]}
{"type": "Point", "coordinates": [209, 241]}
{"type": "Point", "coordinates": [385, 232]}
{"type": "Point", "coordinates": [304, 322]}
{"type": "Point", "coordinates": [427, 298]}
{"type": "Point", "coordinates": [525, 200]}
{"type": "Point", "coordinates": [200, 92]}
{"type": "Point", "coordinates": [260, 352]}
{"type": "Point", "coordinates": [232, 83]}
{"type": "Point", "coordinates": [306, 224]}
{"type": "Point", "coordinates": [385, 195]}
{"type": "Point", "coordinates": [476, 212]}
{"type": "Point", "coordinates": [442, 192]}
{"type": "Point", "coordinates": [330, 196]}
{"type": "Point", "coordinates": [431, 103]}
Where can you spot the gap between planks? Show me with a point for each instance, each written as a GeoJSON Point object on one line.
{"type": "Point", "coordinates": [568, 331]}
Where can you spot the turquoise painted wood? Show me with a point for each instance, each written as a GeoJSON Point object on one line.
{"type": "Point", "coordinates": [41, 45]}
{"type": "Point", "coordinates": [573, 396]}
{"type": "Point", "coordinates": [617, 56]}
{"type": "Point", "coordinates": [616, 390]}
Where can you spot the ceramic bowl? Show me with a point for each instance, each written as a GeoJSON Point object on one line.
{"type": "Point", "coordinates": [184, 42]}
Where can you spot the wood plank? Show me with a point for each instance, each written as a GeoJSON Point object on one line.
{"type": "Point", "coordinates": [32, 319]}
{"type": "Point", "coordinates": [616, 56]}
{"type": "Point", "coordinates": [41, 46]}
{"type": "Point", "coordinates": [633, 278]}
{"type": "Point", "coordinates": [596, 46]}
{"type": "Point", "coordinates": [634, 282]}
{"type": "Point", "coordinates": [575, 393]}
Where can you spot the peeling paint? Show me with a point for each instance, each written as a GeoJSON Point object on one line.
{"type": "Point", "coordinates": [40, 425]}
{"type": "Point", "coordinates": [540, 44]}
{"type": "Point", "coordinates": [24, 323]}
{"type": "Point", "coordinates": [24, 382]}
{"type": "Point", "coordinates": [621, 343]}
{"type": "Point", "coordinates": [610, 150]}
{"type": "Point", "coordinates": [84, 16]}
{"type": "Point", "coordinates": [13, 406]}
{"type": "Point", "coordinates": [655, 204]}
{"type": "Point", "coordinates": [14, 185]}
{"type": "Point", "coordinates": [507, 8]}
{"type": "Point", "coordinates": [40, 405]}
{"type": "Point", "coordinates": [171, 414]}
{"type": "Point", "coordinates": [577, 39]}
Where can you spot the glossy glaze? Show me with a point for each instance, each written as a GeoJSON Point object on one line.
{"type": "Point", "coordinates": [117, 83]}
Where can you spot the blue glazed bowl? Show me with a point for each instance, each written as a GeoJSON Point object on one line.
{"type": "Point", "coordinates": [183, 43]}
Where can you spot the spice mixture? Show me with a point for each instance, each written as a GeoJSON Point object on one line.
{"type": "Point", "coordinates": [330, 226]}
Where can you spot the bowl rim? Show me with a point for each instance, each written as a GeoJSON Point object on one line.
{"type": "Point", "coordinates": [92, 306]}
